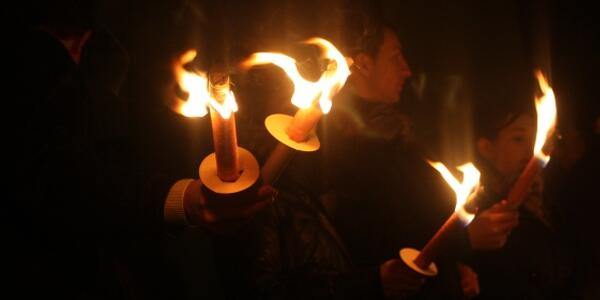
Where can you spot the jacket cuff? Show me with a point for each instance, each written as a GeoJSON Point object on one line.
{"type": "Point", "coordinates": [174, 211]}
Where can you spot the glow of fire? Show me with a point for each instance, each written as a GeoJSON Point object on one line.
{"type": "Point", "coordinates": [463, 189]}
{"type": "Point", "coordinates": [546, 117]}
{"type": "Point", "coordinates": [196, 85]}
{"type": "Point", "coordinates": [306, 92]}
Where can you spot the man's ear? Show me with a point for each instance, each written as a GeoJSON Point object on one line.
{"type": "Point", "coordinates": [364, 64]}
{"type": "Point", "coordinates": [485, 148]}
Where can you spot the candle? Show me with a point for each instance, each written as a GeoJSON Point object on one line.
{"type": "Point", "coordinates": [223, 127]}
{"type": "Point", "coordinates": [433, 248]}
{"type": "Point", "coordinates": [298, 129]}
{"type": "Point", "coordinates": [304, 122]}
{"type": "Point", "coordinates": [521, 187]}
{"type": "Point", "coordinates": [546, 121]}
{"type": "Point", "coordinates": [278, 159]}
{"type": "Point", "coordinates": [213, 92]}
{"type": "Point", "coordinates": [464, 190]}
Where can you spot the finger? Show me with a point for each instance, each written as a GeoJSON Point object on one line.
{"type": "Point", "coordinates": [504, 217]}
{"type": "Point", "coordinates": [225, 213]}
{"type": "Point", "coordinates": [258, 206]}
{"type": "Point", "coordinates": [267, 192]}
{"type": "Point", "coordinates": [241, 199]}
{"type": "Point", "coordinates": [502, 206]}
{"type": "Point", "coordinates": [506, 227]}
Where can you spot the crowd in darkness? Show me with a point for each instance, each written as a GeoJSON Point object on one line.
{"type": "Point", "coordinates": [105, 200]}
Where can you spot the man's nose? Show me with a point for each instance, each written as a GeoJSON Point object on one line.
{"type": "Point", "coordinates": [406, 71]}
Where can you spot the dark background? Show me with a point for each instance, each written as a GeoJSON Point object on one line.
{"type": "Point", "coordinates": [461, 52]}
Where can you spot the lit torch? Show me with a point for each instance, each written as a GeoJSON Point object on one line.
{"type": "Point", "coordinates": [422, 262]}
{"type": "Point", "coordinates": [298, 132]}
{"type": "Point", "coordinates": [545, 107]}
{"type": "Point", "coordinates": [229, 169]}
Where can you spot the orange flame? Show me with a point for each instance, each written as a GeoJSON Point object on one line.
{"type": "Point", "coordinates": [305, 92]}
{"type": "Point", "coordinates": [462, 189]}
{"type": "Point", "coordinates": [196, 85]}
{"type": "Point", "coordinates": [546, 117]}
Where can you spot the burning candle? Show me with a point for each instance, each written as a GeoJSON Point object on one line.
{"type": "Point", "coordinates": [306, 92]}
{"type": "Point", "coordinates": [546, 121]}
{"type": "Point", "coordinates": [298, 130]}
{"type": "Point", "coordinates": [216, 95]}
{"type": "Point", "coordinates": [461, 217]}
{"type": "Point", "coordinates": [305, 120]}
{"type": "Point", "coordinates": [223, 126]}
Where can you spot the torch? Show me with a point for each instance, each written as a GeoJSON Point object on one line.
{"type": "Point", "coordinates": [230, 169]}
{"type": "Point", "coordinates": [545, 107]}
{"type": "Point", "coordinates": [297, 133]}
{"type": "Point", "coordinates": [422, 262]}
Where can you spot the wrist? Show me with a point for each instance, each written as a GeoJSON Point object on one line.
{"type": "Point", "coordinates": [174, 208]}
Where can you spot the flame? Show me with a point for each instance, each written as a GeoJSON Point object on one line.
{"type": "Point", "coordinates": [546, 117]}
{"type": "Point", "coordinates": [462, 189]}
{"type": "Point", "coordinates": [306, 92]}
{"type": "Point", "coordinates": [196, 85]}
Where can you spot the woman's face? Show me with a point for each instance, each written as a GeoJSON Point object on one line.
{"type": "Point", "coordinates": [512, 148]}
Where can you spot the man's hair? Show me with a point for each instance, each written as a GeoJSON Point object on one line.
{"type": "Point", "coordinates": [64, 17]}
{"type": "Point", "coordinates": [364, 33]}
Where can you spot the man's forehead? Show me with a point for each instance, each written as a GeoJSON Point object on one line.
{"type": "Point", "coordinates": [390, 40]}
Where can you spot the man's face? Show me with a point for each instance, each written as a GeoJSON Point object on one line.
{"type": "Point", "coordinates": [510, 151]}
{"type": "Point", "coordinates": [389, 70]}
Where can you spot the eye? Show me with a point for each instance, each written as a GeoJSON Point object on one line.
{"type": "Point", "coordinates": [519, 138]}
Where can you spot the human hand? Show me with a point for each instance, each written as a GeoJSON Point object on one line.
{"type": "Point", "coordinates": [490, 229]}
{"type": "Point", "coordinates": [398, 280]}
{"type": "Point", "coordinates": [469, 281]}
{"type": "Point", "coordinates": [224, 212]}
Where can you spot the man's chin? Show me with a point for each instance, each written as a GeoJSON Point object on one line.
{"type": "Point", "coordinates": [392, 100]}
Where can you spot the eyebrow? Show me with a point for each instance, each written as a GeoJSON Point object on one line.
{"type": "Point", "coordinates": [520, 129]}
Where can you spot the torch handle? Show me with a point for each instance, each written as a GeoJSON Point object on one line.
{"type": "Point", "coordinates": [524, 182]}
{"type": "Point", "coordinates": [225, 143]}
{"type": "Point", "coordinates": [434, 247]}
{"type": "Point", "coordinates": [305, 120]}
{"type": "Point", "coordinates": [276, 162]}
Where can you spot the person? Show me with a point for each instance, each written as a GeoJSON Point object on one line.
{"type": "Point", "coordinates": [340, 236]}
{"type": "Point", "coordinates": [80, 198]}
{"type": "Point", "coordinates": [533, 262]}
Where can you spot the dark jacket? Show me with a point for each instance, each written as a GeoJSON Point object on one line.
{"type": "Point", "coordinates": [535, 263]}
{"type": "Point", "coordinates": [79, 194]}
{"type": "Point", "coordinates": [303, 257]}
{"type": "Point", "coordinates": [377, 195]}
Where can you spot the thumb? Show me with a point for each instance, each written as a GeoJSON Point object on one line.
{"type": "Point", "coordinates": [267, 192]}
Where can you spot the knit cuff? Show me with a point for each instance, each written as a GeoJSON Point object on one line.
{"type": "Point", "coordinates": [174, 211]}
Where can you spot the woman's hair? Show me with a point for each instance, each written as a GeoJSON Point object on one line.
{"type": "Point", "coordinates": [499, 99]}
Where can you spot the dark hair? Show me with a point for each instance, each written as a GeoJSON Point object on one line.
{"type": "Point", "coordinates": [364, 34]}
{"type": "Point", "coordinates": [499, 99]}
{"type": "Point", "coordinates": [65, 17]}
